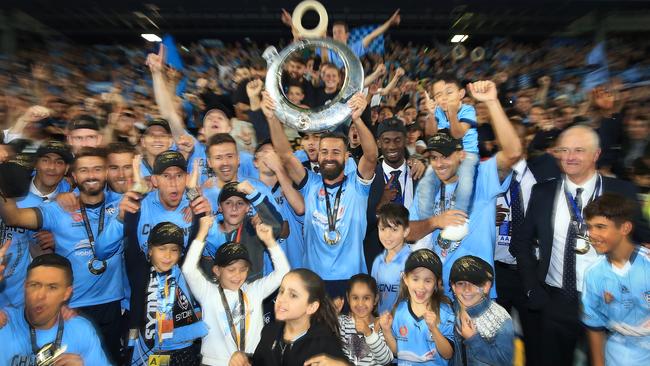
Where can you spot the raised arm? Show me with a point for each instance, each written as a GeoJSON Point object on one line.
{"type": "Point", "coordinates": [295, 199]}
{"type": "Point", "coordinates": [368, 161]}
{"type": "Point", "coordinates": [380, 70]}
{"type": "Point", "coordinates": [511, 150]}
{"type": "Point", "coordinates": [162, 94]}
{"type": "Point", "coordinates": [199, 285]}
{"type": "Point", "coordinates": [393, 82]}
{"type": "Point", "coordinates": [28, 218]}
{"type": "Point", "coordinates": [393, 20]}
{"type": "Point", "coordinates": [294, 168]}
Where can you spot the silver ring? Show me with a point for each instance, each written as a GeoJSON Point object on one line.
{"type": "Point", "coordinates": [322, 118]}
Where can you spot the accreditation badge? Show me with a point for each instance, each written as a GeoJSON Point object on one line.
{"type": "Point", "coordinates": [159, 360]}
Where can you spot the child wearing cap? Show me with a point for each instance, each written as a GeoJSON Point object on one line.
{"type": "Point", "coordinates": [233, 306]}
{"type": "Point", "coordinates": [421, 328]}
{"type": "Point", "coordinates": [236, 199]}
{"type": "Point", "coordinates": [167, 331]}
{"type": "Point", "coordinates": [393, 224]}
{"type": "Point", "coordinates": [616, 293]}
{"type": "Point", "coordinates": [484, 333]}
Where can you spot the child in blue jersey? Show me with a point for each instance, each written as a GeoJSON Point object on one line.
{"type": "Point", "coordinates": [362, 337]}
{"type": "Point", "coordinates": [616, 293]}
{"type": "Point", "coordinates": [459, 121]}
{"type": "Point", "coordinates": [421, 329]}
{"type": "Point", "coordinates": [39, 328]}
{"type": "Point", "coordinates": [484, 332]}
{"type": "Point", "coordinates": [393, 223]}
{"type": "Point", "coordinates": [163, 313]}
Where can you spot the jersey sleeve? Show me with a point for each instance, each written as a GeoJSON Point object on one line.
{"type": "Point", "coordinates": [488, 184]}
{"type": "Point", "coordinates": [357, 48]}
{"type": "Point", "coordinates": [593, 315]}
{"type": "Point", "coordinates": [50, 214]}
{"type": "Point", "coordinates": [110, 241]}
{"type": "Point", "coordinates": [246, 166]}
{"type": "Point", "coordinates": [467, 114]}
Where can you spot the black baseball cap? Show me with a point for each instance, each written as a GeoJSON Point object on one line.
{"type": "Point", "coordinates": [444, 144]}
{"type": "Point", "coordinates": [230, 252]}
{"type": "Point", "coordinates": [168, 159]}
{"type": "Point", "coordinates": [159, 122]}
{"type": "Point", "coordinates": [15, 175]}
{"type": "Point", "coordinates": [230, 190]}
{"type": "Point", "coordinates": [166, 233]}
{"type": "Point", "coordinates": [424, 258]}
{"type": "Point", "coordinates": [84, 121]}
{"type": "Point", "coordinates": [391, 124]}
{"type": "Point", "coordinates": [55, 147]}
{"type": "Point", "coordinates": [471, 269]}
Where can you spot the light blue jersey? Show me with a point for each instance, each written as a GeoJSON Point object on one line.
{"type": "Point", "coordinates": [153, 212]}
{"type": "Point", "coordinates": [246, 166]}
{"type": "Point", "coordinates": [72, 242]}
{"type": "Point", "coordinates": [482, 231]}
{"type": "Point", "coordinates": [12, 291]}
{"type": "Point", "coordinates": [617, 300]}
{"type": "Point", "coordinates": [344, 259]}
{"type": "Point", "coordinates": [466, 114]}
{"type": "Point", "coordinates": [415, 345]}
{"type": "Point", "coordinates": [18, 256]}
{"type": "Point", "coordinates": [388, 277]}
{"type": "Point", "coordinates": [294, 245]}
{"type": "Point", "coordinates": [79, 337]}
{"type": "Point", "coordinates": [356, 47]}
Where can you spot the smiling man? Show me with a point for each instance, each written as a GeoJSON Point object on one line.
{"type": "Point", "coordinates": [120, 167]}
{"type": "Point", "coordinates": [553, 282]}
{"type": "Point", "coordinates": [492, 179]}
{"type": "Point", "coordinates": [335, 201]}
{"type": "Point", "coordinates": [52, 162]}
{"type": "Point", "coordinates": [30, 329]}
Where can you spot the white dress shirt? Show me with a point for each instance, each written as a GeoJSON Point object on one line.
{"type": "Point", "coordinates": [561, 223]}
{"type": "Point", "coordinates": [46, 197]}
{"type": "Point", "coordinates": [405, 181]}
{"type": "Point", "coordinates": [526, 181]}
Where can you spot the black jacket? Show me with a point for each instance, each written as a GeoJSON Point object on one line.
{"type": "Point", "coordinates": [538, 228]}
{"type": "Point", "coordinates": [318, 340]}
{"type": "Point", "coordinates": [371, 245]}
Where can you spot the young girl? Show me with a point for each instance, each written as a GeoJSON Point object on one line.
{"type": "Point", "coordinates": [421, 329]}
{"type": "Point", "coordinates": [363, 340]}
{"type": "Point", "coordinates": [171, 326]}
{"type": "Point", "coordinates": [233, 307]}
{"type": "Point", "coordinates": [305, 329]}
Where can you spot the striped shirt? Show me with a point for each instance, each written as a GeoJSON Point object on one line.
{"type": "Point", "coordinates": [361, 350]}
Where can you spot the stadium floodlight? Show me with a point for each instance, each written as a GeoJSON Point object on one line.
{"type": "Point", "coordinates": [151, 37]}
{"type": "Point", "coordinates": [458, 38]}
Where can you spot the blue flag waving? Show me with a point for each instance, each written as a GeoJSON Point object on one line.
{"type": "Point", "coordinates": [173, 57]}
{"type": "Point", "coordinates": [597, 62]}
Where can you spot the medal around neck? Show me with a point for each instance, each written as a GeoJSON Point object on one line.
{"type": "Point", "coordinates": [332, 237]}
{"type": "Point", "coordinates": [47, 355]}
{"type": "Point", "coordinates": [96, 267]}
{"type": "Point", "coordinates": [583, 244]}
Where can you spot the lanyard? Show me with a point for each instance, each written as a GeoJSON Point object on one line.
{"type": "Point", "coordinates": [242, 320]}
{"type": "Point", "coordinates": [89, 230]}
{"type": "Point", "coordinates": [443, 198]}
{"type": "Point", "coordinates": [147, 166]}
{"type": "Point", "coordinates": [576, 214]}
{"type": "Point", "coordinates": [332, 215]}
{"type": "Point", "coordinates": [57, 340]}
{"type": "Point", "coordinates": [238, 235]}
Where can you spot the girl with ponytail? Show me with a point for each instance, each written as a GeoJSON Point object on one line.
{"type": "Point", "coordinates": [306, 328]}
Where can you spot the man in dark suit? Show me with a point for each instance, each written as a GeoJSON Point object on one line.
{"type": "Point", "coordinates": [394, 180]}
{"type": "Point", "coordinates": [553, 282]}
